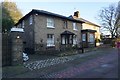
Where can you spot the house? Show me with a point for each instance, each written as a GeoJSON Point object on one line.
{"type": "Point", "coordinates": [44, 31]}
{"type": "Point", "coordinates": [49, 31]}
{"type": "Point", "coordinates": [90, 31]}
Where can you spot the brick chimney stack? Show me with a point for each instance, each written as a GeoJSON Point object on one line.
{"type": "Point", "coordinates": [77, 14]}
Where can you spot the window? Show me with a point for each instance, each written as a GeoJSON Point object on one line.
{"type": "Point", "coordinates": [23, 24]}
{"type": "Point", "coordinates": [91, 38]}
{"type": "Point", "coordinates": [74, 26]}
{"type": "Point", "coordinates": [70, 39]}
{"type": "Point", "coordinates": [74, 39]}
{"type": "Point", "coordinates": [50, 40]}
{"type": "Point", "coordinates": [50, 23]}
{"type": "Point", "coordinates": [63, 39]}
{"type": "Point", "coordinates": [83, 37]}
{"type": "Point", "coordinates": [31, 20]}
{"type": "Point", "coordinates": [65, 24]}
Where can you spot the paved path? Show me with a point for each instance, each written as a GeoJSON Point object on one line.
{"type": "Point", "coordinates": [33, 65]}
{"type": "Point", "coordinates": [84, 68]}
{"type": "Point", "coordinates": [77, 66]}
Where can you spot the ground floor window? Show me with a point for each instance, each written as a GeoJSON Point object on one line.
{"type": "Point", "coordinates": [74, 39]}
{"type": "Point", "coordinates": [91, 38]}
{"type": "Point", "coordinates": [63, 39]}
{"type": "Point", "coordinates": [84, 37]}
{"type": "Point", "coordinates": [50, 40]}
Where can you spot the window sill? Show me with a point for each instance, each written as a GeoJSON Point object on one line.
{"type": "Point", "coordinates": [50, 45]}
{"type": "Point", "coordinates": [50, 27]}
{"type": "Point", "coordinates": [75, 29]}
{"type": "Point", "coordinates": [30, 24]}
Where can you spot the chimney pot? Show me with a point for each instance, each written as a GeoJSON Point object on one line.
{"type": "Point", "coordinates": [77, 14]}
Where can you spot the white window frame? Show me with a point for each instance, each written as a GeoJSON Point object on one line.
{"type": "Point", "coordinates": [63, 39]}
{"type": "Point", "coordinates": [74, 26]}
{"type": "Point", "coordinates": [74, 40]}
{"type": "Point", "coordinates": [23, 24]}
{"type": "Point", "coordinates": [50, 41]}
{"type": "Point", "coordinates": [30, 20]}
{"type": "Point", "coordinates": [50, 23]}
{"type": "Point", "coordinates": [65, 24]}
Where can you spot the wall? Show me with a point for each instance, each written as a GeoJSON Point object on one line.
{"type": "Point", "coordinates": [41, 30]}
{"type": "Point", "coordinates": [6, 50]}
{"type": "Point", "coordinates": [16, 47]}
{"type": "Point", "coordinates": [28, 38]}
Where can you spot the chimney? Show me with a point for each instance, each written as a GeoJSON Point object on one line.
{"type": "Point", "coordinates": [77, 14]}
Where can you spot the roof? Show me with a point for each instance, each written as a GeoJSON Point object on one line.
{"type": "Point", "coordinates": [84, 20]}
{"type": "Point", "coordinates": [67, 33]}
{"type": "Point", "coordinates": [34, 11]}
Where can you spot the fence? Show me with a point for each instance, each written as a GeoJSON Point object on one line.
{"type": "Point", "coordinates": [6, 50]}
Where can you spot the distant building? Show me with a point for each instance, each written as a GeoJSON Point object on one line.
{"type": "Point", "coordinates": [107, 36]}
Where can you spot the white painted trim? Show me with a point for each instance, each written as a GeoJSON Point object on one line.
{"type": "Point", "coordinates": [17, 30]}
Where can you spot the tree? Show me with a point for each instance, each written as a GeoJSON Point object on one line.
{"type": "Point", "coordinates": [109, 18]}
{"type": "Point", "coordinates": [118, 19]}
{"type": "Point", "coordinates": [10, 15]}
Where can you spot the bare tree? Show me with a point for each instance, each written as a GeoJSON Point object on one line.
{"type": "Point", "coordinates": [118, 20]}
{"type": "Point", "coordinates": [108, 18]}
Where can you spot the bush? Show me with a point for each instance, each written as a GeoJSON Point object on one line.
{"type": "Point", "coordinates": [113, 42]}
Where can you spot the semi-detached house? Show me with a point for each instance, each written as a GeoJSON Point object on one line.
{"type": "Point", "coordinates": [45, 31]}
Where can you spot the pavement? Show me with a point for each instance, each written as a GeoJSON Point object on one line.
{"type": "Point", "coordinates": [101, 63]}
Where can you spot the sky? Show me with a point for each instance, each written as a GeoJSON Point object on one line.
{"type": "Point", "coordinates": [88, 9]}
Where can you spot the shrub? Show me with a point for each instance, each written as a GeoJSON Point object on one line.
{"type": "Point", "coordinates": [113, 42]}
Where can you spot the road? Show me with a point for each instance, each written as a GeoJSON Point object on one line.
{"type": "Point", "coordinates": [103, 64]}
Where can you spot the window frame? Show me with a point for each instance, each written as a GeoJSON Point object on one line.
{"type": "Point", "coordinates": [74, 26]}
{"type": "Point", "coordinates": [75, 39]}
{"type": "Point", "coordinates": [91, 40]}
{"type": "Point", "coordinates": [83, 36]}
{"type": "Point", "coordinates": [23, 24]}
{"type": "Point", "coordinates": [65, 25]}
{"type": "Point", "coordinates": [50, 21]}
{"type": "Point", "coordinates": [31, 20]}
{"type": "Point", "coordinates": [50, 40]}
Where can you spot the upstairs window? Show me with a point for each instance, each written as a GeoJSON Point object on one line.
{"type": "Point", "coordinates": [31, 20]}
{"type": "Point", "coordinates": [65, 24]}
{"type": "Point", "coordinates": [74, 26]}
{"type": "Point", "coordinates": [50, 23]}
{"type": "Point", "coordinates": [50, 40]}
{"type": "Point", "coordinates": [23, 24]}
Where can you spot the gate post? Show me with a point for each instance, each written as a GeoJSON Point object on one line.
{"type": "Point", "coordinates": [17, 46]}
{"type": "Point", "coordinates": [17, 50]}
